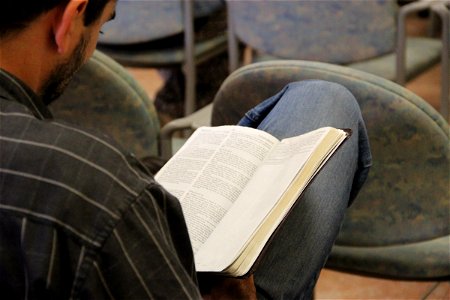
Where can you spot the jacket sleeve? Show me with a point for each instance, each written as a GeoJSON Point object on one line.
{"type": "Point", "coordinates": [148, 254]}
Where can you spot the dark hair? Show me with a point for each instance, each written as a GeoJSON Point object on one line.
{"type": "Point", "coordinates": [15, 15]}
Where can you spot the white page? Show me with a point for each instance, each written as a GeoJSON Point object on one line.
{"type": "Point", "coordinates": [206, 197]}
{"type": "Point", "coordinates": [268, 184]}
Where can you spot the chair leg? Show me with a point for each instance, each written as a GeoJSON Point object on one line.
{"type": "Point", "coordinates": [190, 93]}
{"type": "Point", "coordinates": [248, 56]}
{"type": "Point", "coordinates": [445, 74]}
{"type": "Point", "coordinates": [190, 72]}
{"type": "Point", "coordinates": [233, 47]}
{"type": "Point", "coordinates": [445, 66]}
{"type": "Point", "coordinates": [404, 11]}
{"type": "Point", "coordinates": [443, 12]}
{"type": "Point", "coordinates": [434, 26]}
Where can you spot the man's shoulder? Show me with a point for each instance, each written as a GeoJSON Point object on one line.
{"type": "Point", "coordinates": [63, 174]}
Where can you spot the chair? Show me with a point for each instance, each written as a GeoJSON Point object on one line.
{"type": "Point", "coordinates": [442, 10]}
{"type": "Point", "coordinates": [147, 34]}
{"type": "Point", "coordinates": [104, 97]}
{"type": "Point", "coordinates": [373, 44]}
{"type": "Point", "coordinates": [399, 224]}
{"type": "Point", "coordinates": [359, 34]}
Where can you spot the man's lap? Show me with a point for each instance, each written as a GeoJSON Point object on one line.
{"type": "Point", "coordinates": [299, 250]}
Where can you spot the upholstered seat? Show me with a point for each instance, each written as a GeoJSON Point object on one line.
{"type": "Point", "coordinates": [398, 225]}
{"type": "Point", "coordinates": [420, 55]}
{"type": "Point", "coordinates": [104, 97]}
{"type": "Point", "coordinates": [161, 34]}
{"type": "Point", "coordinates": [366, 35]}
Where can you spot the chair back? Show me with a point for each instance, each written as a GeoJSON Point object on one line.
{"type": "Point", "coordinates": [337, 32]}
{"type": "Point", "coordinates": [143, 21]}
{"type": "Point", "coordinates": [104, 97]}
{"type": "Point", "coordinates": [405, 201]}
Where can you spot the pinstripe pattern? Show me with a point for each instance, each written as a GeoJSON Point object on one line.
{"type": "Point", "coordinates": [22, 241]}
{"type": "Point", "coordinates": [78, 218]}
{"type": "Point", "coordinates": [102, 279]}
{"type": "Point", "coordinates": [79, 158]}
{"type": "Point", "coordinates": [52, 259]}
{"type": "Point", "coordinates": [77, 272]}
{"type": "Point", "coordinates": [62, 185]}
{"type": "Point", "coordinates": [82, 132]}
{"type": "Point", "coordinates": [133, 266]}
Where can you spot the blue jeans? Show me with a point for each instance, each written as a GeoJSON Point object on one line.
{"type": "Point", "coordinates": [291, 265]}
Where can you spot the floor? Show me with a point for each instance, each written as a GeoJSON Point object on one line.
{"type": "Point", "coordinates": [337, 285]}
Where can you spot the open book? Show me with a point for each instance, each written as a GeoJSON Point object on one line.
{"type": "Point", "coordinates": [236, 184]}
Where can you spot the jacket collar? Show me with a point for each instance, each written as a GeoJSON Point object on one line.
{"type": "Point", "coordinates": [13, 89]}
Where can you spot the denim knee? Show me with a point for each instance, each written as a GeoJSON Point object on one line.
{"type": "Point", "coordinates": [337, 95]}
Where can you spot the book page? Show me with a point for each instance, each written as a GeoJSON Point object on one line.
{"type": "Point", "coordinates": [210, 171]}
{"type": "Point", "coordinates": [267, 186]}
{"type": "Point", "coordinates": [261, 236]}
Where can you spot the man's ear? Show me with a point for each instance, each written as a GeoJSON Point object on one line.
{"type": "Point", "coordinates": [64, 30]}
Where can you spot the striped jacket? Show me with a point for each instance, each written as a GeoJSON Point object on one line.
{"type": "Point", "coordinates": [79, 219]}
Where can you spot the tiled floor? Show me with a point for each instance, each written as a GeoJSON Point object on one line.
{"type": "Point", "coordinates": [337, 285]}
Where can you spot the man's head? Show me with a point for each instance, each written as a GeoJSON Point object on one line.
{"type": "Point", "coordinates": [44, 42]}
{"type": "Point", "coordinates": [60, 77]}
{"type": "Point", "coordinates": [18, 14]}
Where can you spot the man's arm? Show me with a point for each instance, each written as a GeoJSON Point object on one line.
{"type": "Point", "coordinates": [140, 259]}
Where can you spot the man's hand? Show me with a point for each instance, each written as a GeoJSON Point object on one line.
{"type": "Point", "coordinates": [230, 288]}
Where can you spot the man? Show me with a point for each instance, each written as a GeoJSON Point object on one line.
{"type": "Point", "coordinates": [81, 219]}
